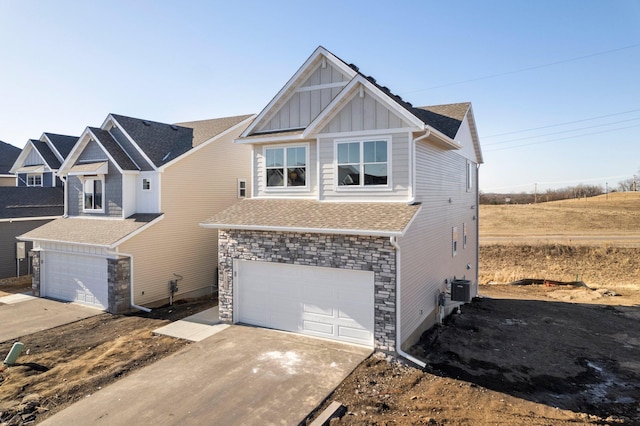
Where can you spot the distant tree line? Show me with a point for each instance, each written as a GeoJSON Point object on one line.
{"type": "Point", "coordinates": [578, 191]}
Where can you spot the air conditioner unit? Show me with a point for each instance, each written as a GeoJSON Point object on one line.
{"type": "Point", "coordinates": [461, 291]}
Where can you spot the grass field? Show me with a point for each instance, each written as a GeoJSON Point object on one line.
{"type": "Point", "coordinates": [537, 241]}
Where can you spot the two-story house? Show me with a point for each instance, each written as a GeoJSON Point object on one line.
{"type": "Point", "coordinates": [135, 191]}
{"type": "Point", "coordinates": [40, 159]}
{"type": "Point", "coordinates": [23, 209]}
{"type": "Point", "coordinates": [363, 210]}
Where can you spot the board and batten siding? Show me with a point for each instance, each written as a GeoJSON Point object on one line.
{"type": "Point", "coordinates": [193, 189]}
{"type": "Point", "coordinates": [307, 102]}
{"type": "Point", "coordinates": [399, 163]}
{"type": "Point", "coordinates": [34, 159]}
{"type": "Point", "coordinates": [292, 192]}
{"type": "Point", "coordinates": [427, 258]}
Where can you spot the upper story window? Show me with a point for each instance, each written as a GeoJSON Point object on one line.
{"type": "Point", "coordinates": [362, 163]}
{"type": "Point", "coordinates": [242, 188]}
{"type": "Point", "coordinates": [93, 189]}
{"type": "Point", "coordinates": [146, 184]}
{"type": "Point", "coordinates": [286, 167]}
{"type": "Point", "coordinates": [34, 180]}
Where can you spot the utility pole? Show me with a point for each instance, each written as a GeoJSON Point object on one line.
{"type": "Point", "coordinates": [606, 191]}
{"type": "Point", "coordinates": [634, 184]}
{"type": "Point", "coordinates": [535, 193]}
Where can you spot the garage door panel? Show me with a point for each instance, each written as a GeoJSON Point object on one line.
{"type": "Point", "coordinates": [326, 302]}
{"type": "Point", "coordinates": [75, 278]}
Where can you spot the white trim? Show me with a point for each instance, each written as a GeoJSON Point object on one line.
{"type": "Point", "coordinates": [272, 138]}
{"type": "Point", "coordinates": [34, 175]}
{"type": "Point", "coordinates": [101, 179]}
{"type": "Point", "coordinates": [26, 219]}
{"type": "Point", "coordinates": [86, 137]}
{"type": "Point", "coordinates": [362, 187]}
{"type": "Point", "coordinates": [366, 133]}
{"type": "Point", "coordinates": [286, 187]}
{"type": "Point", "coordinates": [322, 86]}
{"type": "Point", "coordinates": [240, 180]}
{"type": "Point", "coordinates": [49, 142]}
{"type": "Point", "coordinates": [286, 91]}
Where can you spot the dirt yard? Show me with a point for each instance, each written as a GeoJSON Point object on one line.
{"type": "Point", "coordinates": [534, 355]}
{"type": "Point", "coordinates": [68, 363]}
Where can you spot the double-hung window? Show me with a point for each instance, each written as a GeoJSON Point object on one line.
{"type": "Point", "coordinates": [93, 190]}
{"type": "Point", "coordinates": [34, 180]}
{"type": "Point", "coordinates": [286, 167]}
{"type": "Point", "coordinates": [363, 163]}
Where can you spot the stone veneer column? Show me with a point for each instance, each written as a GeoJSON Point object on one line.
{"type": "Point", "coordinates": [35, 273]}
{"type": "Point", "coordinates": [119, 274]}
{"type": "Point", "coordinates": [356, 252]}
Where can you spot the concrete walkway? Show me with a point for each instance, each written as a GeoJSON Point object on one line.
{"type": "Point", "coordinates": [195, 327]}
{"type": "Point", "coordinates": [21, 314]}
{"type": "Point", "coordinates": [240, 376]}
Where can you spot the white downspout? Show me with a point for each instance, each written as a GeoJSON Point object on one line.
{"type": "Point", "coordinates": [394, 243]}
{"type": "Point", "coordinates": [65, 203]}
{"type": "Point", "coordinates": [132, 303]}
{"type": "Point", "coordinates": [412, 199]}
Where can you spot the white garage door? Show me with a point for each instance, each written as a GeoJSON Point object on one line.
{"type": "Point", "coordinates": [75, 278]}
{"type": "Point", "coordinates": [326, 302]}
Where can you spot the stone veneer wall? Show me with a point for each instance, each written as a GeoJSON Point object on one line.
{"type": "Point", "coordinates": [119, 274]}
{"type": "Point", "coordinates": [357, 252]}
{"type": "Point", "coordinates": [35, 273]}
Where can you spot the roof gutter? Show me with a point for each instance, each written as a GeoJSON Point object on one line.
{"type": "Point", "coordinates": [394, 243]}
{"type": "Point", "coordinates": [373, 233]}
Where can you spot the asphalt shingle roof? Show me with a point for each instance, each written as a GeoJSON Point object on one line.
{"type": "Point", "coordinates": [316, 216]}
{"type": "Point", "coordinates": [203, 130]}
{"type": "Point", "coordinates": [116, 151]}
{"type": "Point", "coordinates": [18, 202]}
{"type": "Point", "coordinates": [8, 155]}
{"type": "Point", "coordinates": [62, 143]}
{"type": "Point", "coordinates": [46, 153]}
{"type": "Point", "coordinates": [446, 118]}
{"type": "Point", "coordinates": [81, 230]}
{"type": "Point", "coordinates": [161, 142]}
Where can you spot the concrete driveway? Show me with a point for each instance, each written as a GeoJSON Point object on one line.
{"type": "Point", "coordinates": [240, 376]}
{"type": "Point", "coordinates": [21, 314]}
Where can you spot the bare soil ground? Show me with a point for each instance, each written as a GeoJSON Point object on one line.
{"type": "Point", "coordinates": [64, 364]}
{"type": "Point", "coordinates": [534, 355]}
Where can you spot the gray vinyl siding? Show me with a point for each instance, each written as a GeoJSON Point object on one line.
{"type": "Point", "coordinates": [112, 196]}
{"type": "Point", "coordinates": [22, 179]}
{"type": "Point", "coordinates": [294, 192]}
{"type": "Point", "coordinates": [426, 251]}
{"type": "Point", "coordinates": [364, 113]}
{"type": "Point", "coordinates": [8, 233]}
{"type": "Point", "coordinates": [128, 147]}
{"type": "Point", "coordinates": [399, 172]}
{"type": "Point", "coordinates": [47, 179]}
{"type": "Point", "coordinates": [303, 106]}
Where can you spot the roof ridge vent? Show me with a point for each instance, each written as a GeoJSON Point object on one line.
{"type": "Point", "coordinates": [174, 127]}
{"type": "Point", "coordinates": [354, 67]}
{"type": "Point", "coordinates": [146, 123]}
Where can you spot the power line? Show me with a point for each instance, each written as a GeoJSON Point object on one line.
{"type": "Point", "coordinates": [559, 139]}
{"type": "Point", "coordinates": [535, 67]}
{"type": "Point", "coordinates": [564, 131]}
{"type": "Point", "coordinates": [560, 124]}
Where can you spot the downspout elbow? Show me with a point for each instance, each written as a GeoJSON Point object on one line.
{"type": "Point", "coordinates": [414, 360]}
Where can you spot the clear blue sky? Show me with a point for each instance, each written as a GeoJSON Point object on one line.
{"type": "Point", "coordinates": [65, 65]}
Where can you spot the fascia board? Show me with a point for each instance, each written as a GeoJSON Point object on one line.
{"type": "Point", "coordinates": [474, 133]}
{"type": "Point", "coordinates": [444, 139]}
{"type": "Point", "coordinates": [267, 139]}
{"type": "Point", "coordinates": [27, 219]}
{"type": "Point", "coordinates": [207, 143]}
{"type": "Point", "coordinates": [286, 90]}
{"type": "Point", "coordinates": [375, 233]}
{"type": "Point", "coordinates": [133, 142]}
{"type": "Point", "coordinates": [22, 157]}
{"type": "Point", "coordinates": [75, 152]}
{"type": "Point", "coordinates": [52, 146]}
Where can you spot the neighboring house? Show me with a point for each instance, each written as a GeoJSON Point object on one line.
{"type": "Point", "coordinates": [40, 160]}
{"type": "Point", "coordinates": [363, 210]}
{"type": "Point", "coordinates": [8, 154]}
{"type": "Point", "coordinates": [21, 210]}
{"type": "Point", "coordinates": [135, 191]}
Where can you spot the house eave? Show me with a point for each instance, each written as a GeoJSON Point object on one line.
{"type": "Point", "coordinates": [373, 233]}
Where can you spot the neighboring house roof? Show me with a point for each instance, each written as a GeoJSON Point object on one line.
{"type": "Point", "coordinates": [62, 143]}
{"type": "Point", "coordinates": [159, 141]}
{"type": "Point", "coordinates": [387, 219]}
{"type": "Point", "coordinates": [100, 232]}
{"type": "Point", "coordinates": [204, 130]}
{"type": "Point", "coordinates": [20, 202]}
{"type": "Point", "coordinates": [46, 153]}
{"type": "Point", "coordinates": [114, 149]}
{"type": "Point", "coordinates": [8, 155]}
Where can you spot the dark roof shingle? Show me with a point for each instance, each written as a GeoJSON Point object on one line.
{"type": "Point", "coordinates": [19, 202]}
{"type": "Point", "coordinates": [8, 155]}
{"type": "Point", "coordinates": [46, 153]}
{"type": "Point", "coordinates": [62, 143]}
{"type": "Point", "coordinates": [115, 150]}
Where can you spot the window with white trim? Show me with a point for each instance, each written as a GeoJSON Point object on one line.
{"type": "Point", "coordinates": [286, 167]}
{"type": "Point", "coordinates": [34, 180]}
{"type": "Point", "coordinates": [146, 184]}
{"type": "Point", "coordinates": [362, 163]}
{"type": "Point", "coordinates": [242, 188]}
{"type": "Point", "coordinates": [93, 188]}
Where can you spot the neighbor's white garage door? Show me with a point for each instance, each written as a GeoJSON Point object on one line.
{"type": "Point", "coordinates": [75, 278]}
{"type": "Point", "coordinates": [326, 302]}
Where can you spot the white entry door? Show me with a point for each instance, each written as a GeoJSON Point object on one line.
{"type": "Point", "coordinates": [325, 302]}
{"type": "Point", "coordinates": [75, 278]}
